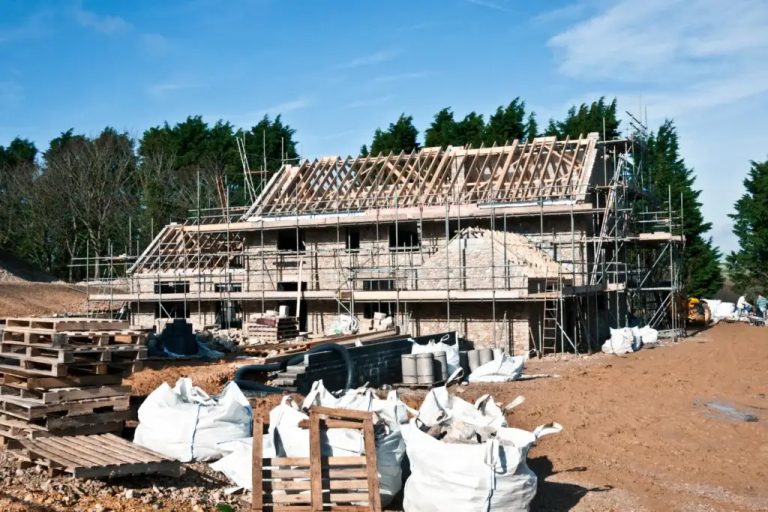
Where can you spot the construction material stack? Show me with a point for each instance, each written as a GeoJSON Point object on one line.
{"type": "Point", "coordinates": [64, 376]}
{"type": "Point", "coordinates": [271, 328]}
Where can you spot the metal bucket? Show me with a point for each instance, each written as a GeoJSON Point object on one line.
{"type": "Point", "coordinates": [441, 366]}
{"type": "Point", "coordinates": [408, 363]}
{"type": "Point", "coordinates": [425, 372]}
{"type": "Point", "coordinates": [485, 355]}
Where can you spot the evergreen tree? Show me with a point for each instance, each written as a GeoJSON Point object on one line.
{"type": "Point", "coordinates": [442, 131]}
{"type": "Point", "coordinates": [531, 127]}
{"type": "Point", "coordinates": [587, 119]}
{"type": "Point", "coordinates": [364, 150]}
{"type": "Point", "coordinates": [470, 130]}
{"type": "Point", "coordinates": [400, 136]}
{"type": "Point", "coordinates": [669, 176]}
{"type": "Point", "coordinates": [508, 124]}
{"type": "Point", "coordinates": [747, 267]}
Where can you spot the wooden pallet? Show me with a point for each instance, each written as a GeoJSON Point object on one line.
{"type": "Point", "coordinates": [39, 366]}
{"type": "Point", "coordinates": [27, 409]}
{"type": "Point", "coordinates": [69, 394]}
{"type": "Point", "coordinates": [97, 456]}
{"type": "Point", "coordinates": [18, 378]}
{"type": "Point", "coordinates": [69, 353]}
{"type": "Point", "coordinates": [13, 429]}
{"type": "Point", "coordinates": [318, 483]}
{"type": "Point", "coordinates": [67, 324]}
{"type": "Point", "coordinates": [51, 338]}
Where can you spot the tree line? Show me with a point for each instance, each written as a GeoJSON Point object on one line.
{"type": "Point", "coordinates": [111, 193]}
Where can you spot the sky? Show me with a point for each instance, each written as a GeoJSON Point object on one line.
{"type": "Point", "coordinates": [337, 70]}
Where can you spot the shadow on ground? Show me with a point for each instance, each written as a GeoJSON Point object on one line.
{"type": "Point", "coordinates": [557, 496]}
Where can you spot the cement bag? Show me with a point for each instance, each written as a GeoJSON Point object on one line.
{"type": "Point", "coordinates": [470, 477]}
{"type": "Point", "coordinates": [291, 441]}
{"type": "Point", "coordinates": [186, 424]}
{"type": "Point", "coordinates": [622, 341]}
{"type": "Point", "coordinates": [237, 465]}
{"type": "Point", "coordinates": [649, 335]}
{"type": "Point", "coordinates": [501, 369]}
{"type": "Point", "coordinates": [725, 310]}
{"type": "Point", "coordinates": [451, 351]}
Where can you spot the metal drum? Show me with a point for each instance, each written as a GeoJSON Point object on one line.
{"type": "Point", "coordinates": [425, 372]}
{"type": "Point", "coordinates": [473, 358]}
{"type": "Point", "coordinates": [441, 366]}
{"type": "Point", "coordinates": [485, 355]}
{"type": "Point", "coordinates": [408, 363]}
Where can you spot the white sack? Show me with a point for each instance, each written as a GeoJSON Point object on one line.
{"type": "Point", "coordinates": [649, 335]}
{"type": "Point", "coordinates": [622, 341]}
{"type": "Point", "coordinates": [238, 464]}
{"type": "Point", "coordinates": [451, 352]}
{"type": "Point", "coordinates": [492, 476]}
{"type": "Point", "coordinates": [501, 369]}
{"type": "Point", "coordinates": [186, 424]}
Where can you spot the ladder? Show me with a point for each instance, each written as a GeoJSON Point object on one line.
{"type": "Point", "coordinates": [549, 326]}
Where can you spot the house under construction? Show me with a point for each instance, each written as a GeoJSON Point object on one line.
{"type": "Point", "coordinates": [538, 245]}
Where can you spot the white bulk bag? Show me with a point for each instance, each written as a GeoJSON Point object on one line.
{"type": "Point", "coordinates": [451, 352]}
{"type": "Point", "coordinates": [186, 424]}
{"type": "Point", "coordinates": [649, 335]}
{"type": "Point", "coordinates": [622, 341]}
{"type": "Point", "coordinates": [501, 369]}
{"type": "Point", "coordinates": [237, 465]}
{"type": "Point", "coordinates": [469, 477]}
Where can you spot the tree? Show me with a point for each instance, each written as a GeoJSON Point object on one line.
{"type": "Point", "coordinates": [17, 167]}
{"type": "Point", "coordinates": [670, 177]}
{"type": "Point", "coordinates": [508, 124]}
{"type": "Point", "coordinates": [747, 267]}
{"type": "Point", "coordinates": [470, 130]}
{"type": "Point", "coordinates": [587, 119]}
{"type": "Point", "coordinates": [400, 136]}
{"type": "Point", "coordinates": [442, 131]}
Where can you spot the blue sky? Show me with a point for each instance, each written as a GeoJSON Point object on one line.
{"type": "Point", "coordinates": [338, 70]}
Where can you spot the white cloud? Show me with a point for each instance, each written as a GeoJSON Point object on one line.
{"type": "Point", "coordinates": [369, 102]}
{"type": "Point", "coordinates": [496, 6]}
{"type": "Point", "coordinates": [161, 89]}
{"type": "Point", "coordinates": [106, 24]}
{"type": "Point", "coordinates": [399, 77]}
{"type": "Point", "coordinates": [252, 117]}
{"type": "Point", "coordinates": [367, 60]}
{"type": "Point", "coordinates": [661, 40]}
{"type": "Point", "coordinates": [153, 44]}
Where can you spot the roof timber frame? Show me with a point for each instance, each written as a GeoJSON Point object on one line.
{"type": "Point", "coordinates": [543, 169]}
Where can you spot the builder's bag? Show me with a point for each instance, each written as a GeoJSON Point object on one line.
{"type": "Point", "coordinates": [463, 475]}
{"type": "Point", "coordinates": [186, 424]}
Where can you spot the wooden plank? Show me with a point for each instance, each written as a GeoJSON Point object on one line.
{"type": "Point", "coordinates": [257, 500]}
{"type": "Point", "coordinates": [374, 499]}
{"type": "Point", "coordinates": [18, 378]}
{"type": "Point", "coordinates": [315, 456]}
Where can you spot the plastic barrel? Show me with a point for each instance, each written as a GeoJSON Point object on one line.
{"type": "Point", "coordinates": [408, 362]}
{"type": "Point", "coordinates": [425, 368]}
{"type": "Point", "coordinates": [441, 366]}
{"type": "Point", "coordinates": [473, 358]}
{"type": "Point", "coordinates": [485, 355]}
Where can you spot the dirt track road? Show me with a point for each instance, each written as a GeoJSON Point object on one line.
{"type": "Point", "coordinates": [652, 430]}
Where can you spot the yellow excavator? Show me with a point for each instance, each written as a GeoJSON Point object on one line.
{"type": "Point", "coordinates": [698, 312]}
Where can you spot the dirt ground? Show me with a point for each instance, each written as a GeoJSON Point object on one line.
{"type": "Point", "coordinates": [26, 298]}
{"type": "Point", "coordinates": [683, 426]}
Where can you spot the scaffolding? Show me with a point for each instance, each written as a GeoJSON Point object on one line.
{"type": "Point", "coordinates": [565, 225]}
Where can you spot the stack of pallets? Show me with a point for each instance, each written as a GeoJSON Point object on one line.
{"type": "Point", "coordinates": [63, 376]}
